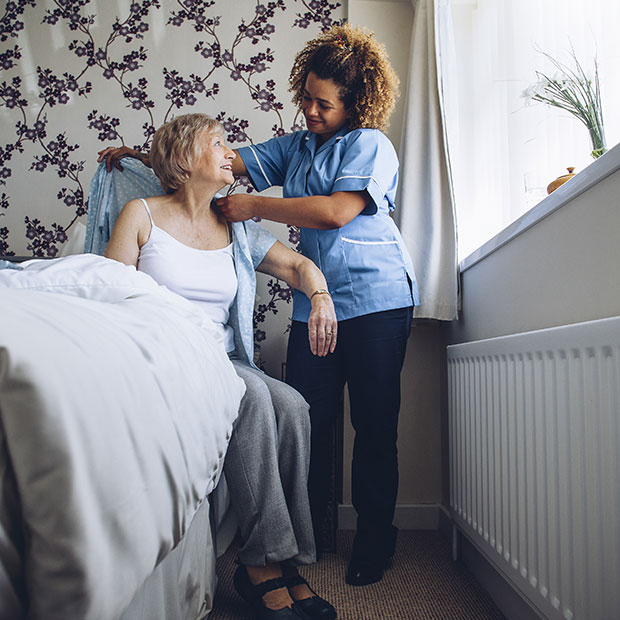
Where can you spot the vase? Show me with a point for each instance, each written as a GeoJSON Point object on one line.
{"type": "Point", "coordinates": [597, 137]}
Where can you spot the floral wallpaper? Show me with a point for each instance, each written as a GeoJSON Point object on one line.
{"type": "Point", "coordinates": [79, 75]}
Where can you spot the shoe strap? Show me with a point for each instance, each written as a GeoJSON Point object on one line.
{"type": "Point", "coordinates": [297, 580]}
{"type": "Point", "coordinates": [263, 587]}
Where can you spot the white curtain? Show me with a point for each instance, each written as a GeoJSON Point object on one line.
{"type": "Point", "coordinates": [426, 214]}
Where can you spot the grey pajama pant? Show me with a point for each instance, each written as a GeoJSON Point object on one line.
{"type": "Point", "coordinates": [266, 469]}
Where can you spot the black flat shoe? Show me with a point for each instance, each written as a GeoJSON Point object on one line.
{"type": "Point", "coordinates": [253, 595]}
{"type": "Point", "coordinates": [373, 549]}
{"type": "Point", "coordinates": [315, 607]}
{"type": "Point", "coordinates": [362, 572]}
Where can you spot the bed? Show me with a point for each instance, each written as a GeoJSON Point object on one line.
{"type": "Point", "coordinates": [117, 402]}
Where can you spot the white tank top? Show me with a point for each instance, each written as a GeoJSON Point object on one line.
{"type": "Point", "coordinates": [204, 277]}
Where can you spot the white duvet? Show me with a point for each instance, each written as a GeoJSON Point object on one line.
{"type": "Point", "coordinates": [116, 405]}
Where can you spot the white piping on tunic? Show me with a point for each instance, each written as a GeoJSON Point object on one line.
{"type": "Point", "coordinates": [358, 242]}
{"type": "Point", "coordinates": [260, 165]}
{"type": "Point", "coordinates": [353, 176]}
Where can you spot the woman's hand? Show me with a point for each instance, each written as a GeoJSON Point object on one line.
{"type": "Point", "coordinates": [301, 273]}
{"type": "Point", "coordinates": [113, 155]}
{"type": "Point", "coordinates": [322, 325]}
{"type": "Point", "coordinates": [237, 207]}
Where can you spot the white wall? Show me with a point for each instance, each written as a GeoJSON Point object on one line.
{"type": "Point", "coordinates": [562, 270]}
{"type": "Point", "coordinates": [392, 22]}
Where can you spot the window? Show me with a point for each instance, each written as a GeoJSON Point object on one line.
{"type": "Point", "coordinates": [503, 152]}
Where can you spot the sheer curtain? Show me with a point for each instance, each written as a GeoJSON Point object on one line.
{"type": "Point", "coordinates": [426, 214]}
{"type": "Point", "coordinates": [503, 152]}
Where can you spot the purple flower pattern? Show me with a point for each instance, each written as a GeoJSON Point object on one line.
{"type": "Point", "coordinates": [113, 88]}
{"type": "Point", "coordinates": [318, 12]}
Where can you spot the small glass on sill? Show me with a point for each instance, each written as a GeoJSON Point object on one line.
{"type": "Point", "coordinates": [535, 189]}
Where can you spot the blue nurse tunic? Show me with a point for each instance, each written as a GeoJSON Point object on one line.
{"type": "Point", "coordinates": [365, 262]}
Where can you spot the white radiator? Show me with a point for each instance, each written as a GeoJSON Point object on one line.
{"type": "Point", "coordinates": [535, 462]}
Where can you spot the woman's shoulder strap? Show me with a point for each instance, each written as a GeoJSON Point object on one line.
{"type": "Point", "coordinates": [146, 206]}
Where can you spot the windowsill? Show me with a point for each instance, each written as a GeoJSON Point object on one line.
{"type": "Point", "coordinates": [581, 182]}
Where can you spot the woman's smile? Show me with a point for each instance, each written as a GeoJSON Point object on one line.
{"type": "Point", "coordinates": [322, 107]}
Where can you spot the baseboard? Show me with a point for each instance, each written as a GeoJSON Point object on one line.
{"type": "Point", "coordinates": [446, 524]}
{"type": "Point", "coordinates": [406, 517]}
{"type": "Point", "coordinates": [512, 604]}
{"type": "Point", "coordinates": [510, 601]}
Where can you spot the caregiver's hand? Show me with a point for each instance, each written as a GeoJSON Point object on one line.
{"type": "Point", "coordinates": [237, 207]}
{"type": "Point", "coordinates": [112, 156]}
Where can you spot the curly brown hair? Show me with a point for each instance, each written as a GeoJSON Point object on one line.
{"type": "Point", "coordinates": [359, 65]}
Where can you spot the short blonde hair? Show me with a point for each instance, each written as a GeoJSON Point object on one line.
{"type": "Point", "coordinates": [176, 147]}
{"type": "Point", "coordinates": [359, 65]}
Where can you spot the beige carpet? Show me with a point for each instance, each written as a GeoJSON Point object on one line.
{"type": "Point", "coordinates": [423, 584]}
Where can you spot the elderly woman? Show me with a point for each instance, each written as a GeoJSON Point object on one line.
{"type": "Point", "coordinates": [183, 242]}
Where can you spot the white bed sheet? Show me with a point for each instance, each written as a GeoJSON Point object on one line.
{"type": "Point", "coordinates": [116, 405]}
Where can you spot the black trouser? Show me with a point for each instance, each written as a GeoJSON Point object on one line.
{"type": "Point", "coordinates": [369, 357]}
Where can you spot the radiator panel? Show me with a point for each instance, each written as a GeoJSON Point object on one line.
{"type": "Point", "coordinates": [535, 462]}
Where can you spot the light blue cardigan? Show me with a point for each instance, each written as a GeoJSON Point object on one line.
{"type": "Point", "coordinates": [110, 191]}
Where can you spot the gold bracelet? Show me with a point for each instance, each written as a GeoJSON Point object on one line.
{"type": "Point", "coordinates": [319, 291]}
